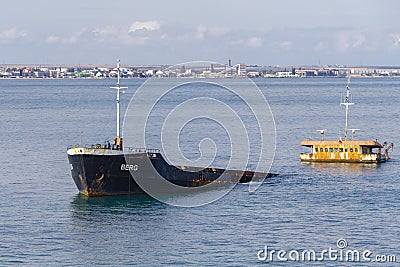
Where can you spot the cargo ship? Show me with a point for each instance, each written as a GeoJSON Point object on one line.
{"type": "Point", "coordinates": [345, 150]}
{"type": "Point", "coordinates": [106, 169]}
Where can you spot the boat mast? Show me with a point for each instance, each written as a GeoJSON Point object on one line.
{"type": "Point", "coordinates": [347, 104]}
{"type": "Point", "coordinates": [118, 87]}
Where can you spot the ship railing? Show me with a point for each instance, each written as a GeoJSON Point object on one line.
{"type": "Point", "coordinates": [141, 150]}
{"type": "Point", "coordinates": [73, 146]}
{"type": "Point", "coordinates": [92, 146]}
{"type": "Point", "coordinates": [126, 149]}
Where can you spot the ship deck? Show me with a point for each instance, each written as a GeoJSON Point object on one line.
{"type": "Point", "coordinates": [327, 143]}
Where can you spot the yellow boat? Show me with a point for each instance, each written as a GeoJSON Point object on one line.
{"type": "Point", "coordinates": [345, 151]}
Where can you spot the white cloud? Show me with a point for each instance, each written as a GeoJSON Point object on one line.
{"type": "Point", "coordinates": [138, 33]}
{"type": "Point", "coordinates": [74, 38]}
{"type": "Point", "coordinates": [286, 45]}
{"type": "Point", "coordinates": [250, 42]}
{"type": "Point", "coordinates": [219, 31]}
{"type": "Point", "coordinates": [12, 34]}
{"type": "Point", "coordinates": [357, 40]}
{"type": "Point", "coordinates": [396, 39]}
{"type": "Point", "coordinates": [52, 39]}
{"type": "Point", "coordinates": [238, 42]}
{"type": "Point", "coordinates": [144, 25]}
{"type": "Point", "coordinates": [254, 42]}
{"type": "Point", "coordinates": [349, 39]}
{"type": "Point", "coordinates": [106, 31]}
{"type": "Point", "coordinates": [138, 40]}
{"type": "Point", "coordinates": [201, 30]}
{"type": "Point", "coordinates": [215, 31]}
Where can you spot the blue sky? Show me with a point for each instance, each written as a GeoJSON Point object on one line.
{"type": "Point", "coordinates": [168, 32]}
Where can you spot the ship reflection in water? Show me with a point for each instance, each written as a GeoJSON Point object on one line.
{"type": "Point", "coordinates": [347, 170]}
{"type": "Point", "coordinates": [102, 209]}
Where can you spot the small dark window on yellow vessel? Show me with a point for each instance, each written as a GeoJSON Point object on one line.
{"type": "Point", "coordinates": [345, 150]}
{"type": "Point", "coordinates": [356, 150]}
{"type": "Point", "coordinates": [341, 149]}
{"type": "Point", "coordinates": [326, 149]}
{"type": "Point", "coordinates": [351, 150]}
{"type": "Point", "coordinates": [336, 149]}
{"type": "Point", "coordinates": [321, 150]}
{"type": "Point", "coordinates": [316, 149]}
{"type": "Point", "coordinates": [330, 149]}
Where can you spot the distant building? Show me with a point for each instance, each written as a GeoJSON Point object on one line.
{"type": "Point", "coordinates": [241, 70]}
{"type": "Point", "coordinates": [306, 73]}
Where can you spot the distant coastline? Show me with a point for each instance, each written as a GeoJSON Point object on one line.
{"type": "Point", "coordinates": [29, 71]}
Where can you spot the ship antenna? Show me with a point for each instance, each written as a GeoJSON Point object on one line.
{"type": "Point", "coordinates": [118, 87]}
{"type": "Point", "coordinates": [353, 133]}
{"type": "Point", "coordinates": [347, 104]}
{"type": "Point", "coordinates": [322, 132]}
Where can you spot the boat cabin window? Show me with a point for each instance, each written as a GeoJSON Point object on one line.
{"type": "Point", "coordinates": [326, 149]}
{"type": "Point", "coordinates": [316, 149]}
{"type": "Point", "coordinates": [356, 150]}
{"type": "Point", "coordinates": [341, 149]}
{"type": "Point", "coordinates": [351, 149]}
{"type": "Point", "coordinates": [345, 150]}
{"type": "Point", "coordinates": [336, 149]}
{"type": "Point", "coordinates": [321, 150]}
{"type": "Point", "coordinates": [330, 149]}
{"type": "Point", "coordinates": [366, 150]}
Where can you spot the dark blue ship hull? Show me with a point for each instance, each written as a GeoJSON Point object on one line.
{"type": "Point", "coordinates": [99, 175]}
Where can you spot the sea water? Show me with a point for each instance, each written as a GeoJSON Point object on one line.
{"type": "Point", "coordinates": [44, 221]}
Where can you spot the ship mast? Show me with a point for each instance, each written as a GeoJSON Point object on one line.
{"type": "Point", "coordinates": [118, 87]}
{"type": "Point", "coordinates": [347, 104]}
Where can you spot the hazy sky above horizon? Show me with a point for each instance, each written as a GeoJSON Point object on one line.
{"type": "Point", "coordinates": [167, 32]}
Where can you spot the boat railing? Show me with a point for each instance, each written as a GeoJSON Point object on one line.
{"type": "Point", "coordinates": [141, 150]}
{"type": "Point", "coordinates": [73, 146]}
{"type": "Point", "coordinates": [126, 149]}
{"type": "Point", "coordinates": [92, 146]}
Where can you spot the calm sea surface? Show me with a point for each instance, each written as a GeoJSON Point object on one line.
{"type": "Point", "coordinates": [44, 221]}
